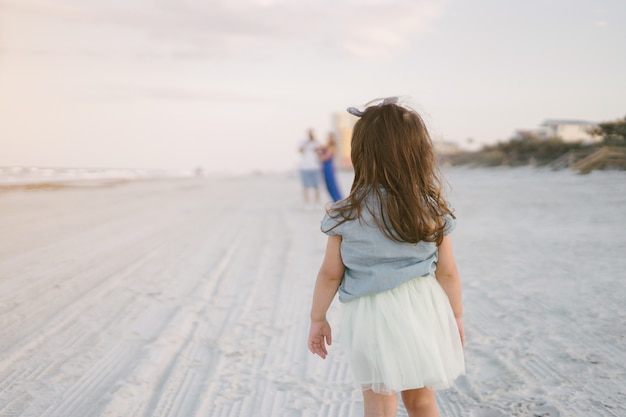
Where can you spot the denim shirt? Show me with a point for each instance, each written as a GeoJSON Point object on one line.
{"type": "Point", "coordinates": [375, 263]}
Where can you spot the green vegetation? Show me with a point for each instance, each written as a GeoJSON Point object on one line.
{"type": "Point", "coordinates": [520, 152]}
{"type": "Point", "coordinates": [613, 133]}
{"type": "Point", "coordinates": [609, 153]}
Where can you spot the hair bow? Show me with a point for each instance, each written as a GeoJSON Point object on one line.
{"type": "Point", "coordinates": [376, 102]}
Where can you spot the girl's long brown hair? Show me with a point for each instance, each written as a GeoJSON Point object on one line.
{"type": "Point", "coordinates": [391, 148]}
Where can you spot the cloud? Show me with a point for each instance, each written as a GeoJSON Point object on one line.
{"type": "Point", "coordinates": [364, 29]}
{"type": "Point", "coordinates": [384, 29]}
{"type": "Point", "coordinates": [210, 28]}
{"type": "Point", "coordinates": [128, 92]}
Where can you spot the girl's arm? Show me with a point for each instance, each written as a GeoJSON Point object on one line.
{"type": "Point", "coordinates": [447, 274]}
{"type": "Point", "coordinates": [328, 279]}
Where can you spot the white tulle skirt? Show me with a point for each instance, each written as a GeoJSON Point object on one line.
{"type": "Point", "coordinates": [404, 338]}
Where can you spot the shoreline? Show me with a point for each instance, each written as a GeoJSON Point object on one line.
{"type": "Point", "coordinates": [90, 183]}
{"type": "Point", "coordinates": [57, 185]}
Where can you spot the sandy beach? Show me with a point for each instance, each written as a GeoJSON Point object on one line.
{"type": "Point", "coordinates": [190, 297]}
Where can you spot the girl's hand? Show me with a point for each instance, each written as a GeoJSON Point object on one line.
{"type": "Point", "coordinates": [319, 336]}
{"type": "Point", "coordinates": [459, 324]}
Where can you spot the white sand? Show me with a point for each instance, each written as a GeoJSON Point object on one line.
{"type": "Point", "coordinates": [190, 298]}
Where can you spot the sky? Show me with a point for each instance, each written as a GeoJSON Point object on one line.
{"type": "Point", "coordinates": [233, 86]}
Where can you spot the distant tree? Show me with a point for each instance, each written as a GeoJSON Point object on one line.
{"type": "Point", "coordinates": [612, 132]}
{"type": "Point", "coordinates": [527, 135]}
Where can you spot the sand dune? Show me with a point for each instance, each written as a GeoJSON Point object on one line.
{"type": "Point", "coordinates": [190, 297]}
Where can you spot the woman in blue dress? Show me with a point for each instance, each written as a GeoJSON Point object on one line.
{"type": "Point", "coordinates": [326, 154]}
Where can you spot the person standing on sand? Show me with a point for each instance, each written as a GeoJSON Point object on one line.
{"type": "Point", "coordinates": [389, 255]}
{"type": "Point", "coordinates": [310, 169]}
{"type": "Point", "coordinates": [327, 155]}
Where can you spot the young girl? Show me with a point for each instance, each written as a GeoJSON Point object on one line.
{"type": "Point", "coordinates": [389, 255]}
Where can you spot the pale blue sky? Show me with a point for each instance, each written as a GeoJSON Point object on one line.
{"type": "Point", "coordinates": [233, 85]}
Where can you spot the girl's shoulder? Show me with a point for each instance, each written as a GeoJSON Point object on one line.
{"type": "Point", "coordinates": [334, 218]}
{"type": "Point", "coordinates": [330, 224]}
{"type": "Point", "coordinates": [449, 224]}
{"type": "Point", "coordinates": [341, 219]}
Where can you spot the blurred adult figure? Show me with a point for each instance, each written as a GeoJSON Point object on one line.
{"type": "Point", "coordinates": [327, 155]}
{"type": "Point", "coordinates": [310, 169]}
